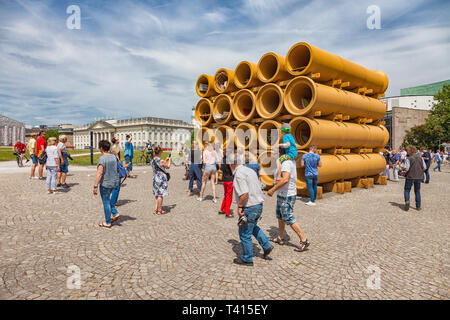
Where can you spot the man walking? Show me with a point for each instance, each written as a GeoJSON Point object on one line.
{"type": "Point", "coordinates": [437, 158]}
{"type": "Point", "coordinates": [287, 192]}
{"type": "Point", "coordinates": [128, 155]}
{"type": "Point", "coordinates": [249, 198]}
{"type": "Point", "coordinates": [395, 164]}
{"type": "Point", "coordinates": [414, 167]}
{"type": "Point", "coordinates": [31, 148]}
{"type": "Point", "coordinates": [41, 145]}
{"type": "Point", "coordinates": [195, 169]}
{"type": "Point", "coordinates": [427, 158]}
{"type": "Point", "coordinates": [311, 161]}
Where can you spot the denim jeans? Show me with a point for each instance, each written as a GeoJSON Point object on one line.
{"type": "Point", "coordinates": [438, 166]}
{"type": "Point", "coordinates": [387, 172]}
{"type": "Point", "coordinates": [395, 169]}
{"type": "Point", "coordinates": [250, 228]}
{"type": "Point", "coordinates": [426, 176]}
{"type": "Point", "coordinates": [408, 185]}
{"type": "Point", "coordinates": [105, 193]}
{"type": "Point", "coordinates": [51, 177]}
{"type": "Point", "coordinates": [311, 182]}
{"type": "Point", "coordinates": [114, 197]}
{"type": "Point", "coordinates": [195, 173]}
{"type": "Point", "coordinates": [129, 160]}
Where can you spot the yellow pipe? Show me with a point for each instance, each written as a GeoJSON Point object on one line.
{"type": "Point", "coordinates": [224, 81]}
{"type": "Point", "coordinates": [343, 167]}
{"type": "Point", "coordinates": [266, 137]}
{"type": "Point", "coordinates": [244, 106]}
{"type": "Point", "coordinates": [304, 58]}
{"type": "Point", "coordinates": [304, 97]}
{"type": "Point", "coordinates": [265, 160]}
{"type": "Point", "coordinates": [246, 75]}
{"type": "Point", "coordinates": [327, 134]}
{"type": "Point", "coordinates": [223, 106]}
{"type": "Point", "coordinates": [269, 101]}
{"type": "Point", "coordinates": [204, 112]}
{"type": "Point", "coordinates": [206, 83]}
{"type": "Point", "coordinates": [272, 67]}
{"type": "Point", "coordinates": [224, 135]}
{"type": "Point", "coordinates": [204, 134]}
{"type": "Point", "coordinates": [246, 136]}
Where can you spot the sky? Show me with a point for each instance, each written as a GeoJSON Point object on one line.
{"type": "Point", "coordinates": [135, 58]}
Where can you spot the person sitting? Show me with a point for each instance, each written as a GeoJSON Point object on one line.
{"type": "Point", "coordinates": [290, 148]}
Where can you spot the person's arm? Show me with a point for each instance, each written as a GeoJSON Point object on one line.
{"type": "Point", "coordinates": [60, 156]}
{"type": "Point", "coordinates": [319, 164]}
{"type": "Point", "coordinates": [406, 169]}
{"type": "Point", "coordinates": [98, 178]}
{"type": "Point", "coordinates": [285, 176]}
{"type": "Point", "coordinates": [242, 201]}
{"type": "Point", "coordinates": [57, 162]}
{"type": "Point", "coordinates": [302, 164]}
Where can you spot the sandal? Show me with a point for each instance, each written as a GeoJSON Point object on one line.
{"type": "Point", "coordinates": [303, 245]}
{"type": "Point", "coordinates": [277, 240]}
{"type": "Point", "coordinates": [114, 219]}
{"type": "Point", "coordinates": [103, 225]}
{"type": "Point", "coordinates": [162, 212]}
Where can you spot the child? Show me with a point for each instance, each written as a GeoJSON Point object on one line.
{"type": "Point", "coordinates": [289, 146]}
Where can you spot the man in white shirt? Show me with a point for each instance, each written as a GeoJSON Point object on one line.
{"type": "Point", "coordinates": [249, 198]}
{"type": "Point", "coordinates": [287, 193]}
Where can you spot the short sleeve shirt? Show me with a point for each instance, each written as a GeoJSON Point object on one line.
{"type": "Point", "coordinates": [40, 142]}
{"type": "Point", "coordinates": [246, 181]}
{"type": "Point", "coordinates": [110, 178]}
{"type": "Point", "coordinates": [31, 147]}
{"type": "Point", "coordinates": [290, 188]}
{"type": "Point", "coordinates": [291, 151]}
{"type": "Point", "coordinates": [311, 162]}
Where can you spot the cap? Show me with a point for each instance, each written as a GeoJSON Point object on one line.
{"type": "Point", "coordinates": [286, 127]}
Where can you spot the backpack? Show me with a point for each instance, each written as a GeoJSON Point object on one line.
{"type": "Point", "coordinates": [123, 173]}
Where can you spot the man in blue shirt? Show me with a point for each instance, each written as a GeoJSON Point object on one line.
{"type": "Point", "coordinates": [311, 161]}
{"type": "Point", "coordinates": [427, 157]}
{"type": "Point", "coordinates": [437, 157]}
{"type": "Point", "coordinates": [128, 155]}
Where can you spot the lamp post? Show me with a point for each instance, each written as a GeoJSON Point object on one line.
{"type": "Point", "coordinates": [92, 148]}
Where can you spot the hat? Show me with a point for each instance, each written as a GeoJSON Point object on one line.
{"type": "Point", "coordinates": [286, 127]}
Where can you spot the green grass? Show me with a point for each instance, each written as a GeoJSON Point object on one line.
{"type": "Point", "coordinates": [6, 154]}
{"type": "Point", "coordinates": [84, 160]}
{"type": "Point", "coordinates": [78, 151]}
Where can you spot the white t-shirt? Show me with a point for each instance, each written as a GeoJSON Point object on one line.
{"type": "Point", "coordinates": [290, 188]}
{"type": "Point", "coordinates": [403, 154]}
{"type": "Point", "coordinates": [52, 153]}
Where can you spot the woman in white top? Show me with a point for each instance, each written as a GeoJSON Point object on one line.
{"type": "Point", "coordinates": [52, 164]}
{"type": "Point", "coordinates": [210, 159]}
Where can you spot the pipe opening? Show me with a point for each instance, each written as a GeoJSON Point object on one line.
{"type": "Point", "coordinates": [270, 101]}
{"type": "Point", "coordinates": [271, 133]}
{"type": "Point", "coordinates": [245, 136]}
{"type": "Point", "coordinates": [243, 74]}
{"type": "Point", "coordinates": [268, 67]}
{"type": "Point", "coordinates": [222, 109]}
{"type": "Point", "coordinates": [298, 58]}
{"type": "Point", "coordinates": [203, 84]}
{"type": "Point", "coordinates": [244, 104]}
{"type": "Point", "coordinates": [300, 96]}
{"type": "Point", "coordinates": [302, 132]}
{"type": "Point", "coordinates": [204, 111]}
{"type": "Point", "coordinates": [221, 80]}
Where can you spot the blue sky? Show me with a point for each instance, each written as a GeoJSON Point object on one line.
{"type": "Point", "coordinates": [142, 58]}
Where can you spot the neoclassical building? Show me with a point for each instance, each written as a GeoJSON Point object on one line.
{"type": "Point", "coordinates": [10, 131]}
{"type": "Point", "coordinates": [166, 133]}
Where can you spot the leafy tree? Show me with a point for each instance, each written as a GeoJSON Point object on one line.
{"type": "Point", "coordinates": [52, 133]}
{"type": "Point", "coordinates": [437, 124]}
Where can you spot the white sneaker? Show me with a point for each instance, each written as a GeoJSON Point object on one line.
{"type": "Point", "coordinates": [309, 203]}
{"type": "Point", "coordinates": [200, 199]}
{"type": "Point", "coordinates": [215, 200]}
{"type": "Point", "coordinates": [35, 178]}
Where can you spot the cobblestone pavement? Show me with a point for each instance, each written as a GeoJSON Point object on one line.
{"type": "Point", "coordinates": [188, 253]}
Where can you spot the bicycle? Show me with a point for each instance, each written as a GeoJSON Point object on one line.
{"type": "Point", "coordinates": [144, 159]}
{"type": "Point", "coordinates": [19, 159]}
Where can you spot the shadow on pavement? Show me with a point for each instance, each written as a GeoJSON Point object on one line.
{"type": "Point", "coordinates": [237, 248]}
{"type": "Point", "coordinates": [399, 205]}
{"type": "Point", "coordinates": [123, 202]}
{"type": "Point", "coordinates": [123, 218]}
{"type": "Point", "coordinates": [169, 207]}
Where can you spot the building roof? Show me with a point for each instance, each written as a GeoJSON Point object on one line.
{"type": "Point", "coordinates": [426, 89]}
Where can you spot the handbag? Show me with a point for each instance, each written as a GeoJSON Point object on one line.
{"type": "Point", "coordinates": [161, 169]}
{"type": "Point", "coordinates": [43, 157]}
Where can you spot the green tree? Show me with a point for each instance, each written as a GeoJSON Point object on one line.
{"type": "Point", "coordinates": [52, 133]}
{"type": "Point", "coordinates": [437, 125]}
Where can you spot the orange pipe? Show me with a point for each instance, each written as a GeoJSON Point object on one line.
{"type": "Point", "coordinates": [223, 106]}
{"type": "Point", "coordinates": [224, 81]}
{"type": "Point", "coordinates": [206, 83]}
{"type": "Point", "coordinates": [246, 75]}
{"type": "Point", "coordinates": [244, 106]}
{"type": "Point", "coordinates": [272, 67]}
{"type": "Point", "coordinates": [224, 135]}
{"type": "Point", "coordinates": [204, 112]}
{"type": "Point", "coordinates": [269, 101]}
{"type": "Point", "coordinates": [204, 134]}
{"type": "Point", "coordinates": [304, 97]}
{"type": "Point", "coordinates": [246, 136]}
{"type": "Point", "coordinates": [304, 58]}
{"type": "Point", "coordinates": [266, 137]}
{"type": "Point", "coordinates": [266, 161]}
{"type": "Point", "coordinates": [328, 134]}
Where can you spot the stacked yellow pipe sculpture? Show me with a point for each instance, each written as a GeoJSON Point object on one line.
{"type": "Point", "coordinates": [329, 102]}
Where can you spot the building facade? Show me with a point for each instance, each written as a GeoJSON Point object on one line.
{"type": "Point", "coordinates": [166, 133]}
{"type": "Point", "coordinates": [10, 131]}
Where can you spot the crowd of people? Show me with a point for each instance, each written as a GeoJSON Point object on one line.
{"type": "Point", "coordinates": [239, 171]}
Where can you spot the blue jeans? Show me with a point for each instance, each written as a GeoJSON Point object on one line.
{"type": "Point", "coordinates": [427, 176]}
{"type": "Point", "coordinates": [114, 196]}
{"type": "Point", "coordinates": [129, 159]}
{"type": "Point", "coordinates": [250, 228]}
{"type": "Point", "coordinates": [105, 193]}
{"type": "Point", "coordinates": [195, 173]}
{"type": "Point", "coordinates": [438, 166]}
{"type": "Point", "coordinates": [311, 182]}
{"type": "Point", "coordinates": [408, 185]}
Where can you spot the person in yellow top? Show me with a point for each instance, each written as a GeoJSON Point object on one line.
{"type": "Point", "coordinates": [31, 148]}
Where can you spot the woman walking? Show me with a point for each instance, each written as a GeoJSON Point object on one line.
{"type": "Point", "coordinates": [160, 180]}
{"type": "Point", "coordinates": [52, 165]}
{"type": "Point", "coordinates": [210, 158]}
{"type": "Point", "coordinates": [64, 162]}
{"type": "Point", "coordinates": [227, 181]}
{"type": "Point", "coordinates": [108, 179]}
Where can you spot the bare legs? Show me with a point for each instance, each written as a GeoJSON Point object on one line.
{"type": "Point", "coordinates": [295, 226]}
{"type": "Point", "coordinates": [206, 177]}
